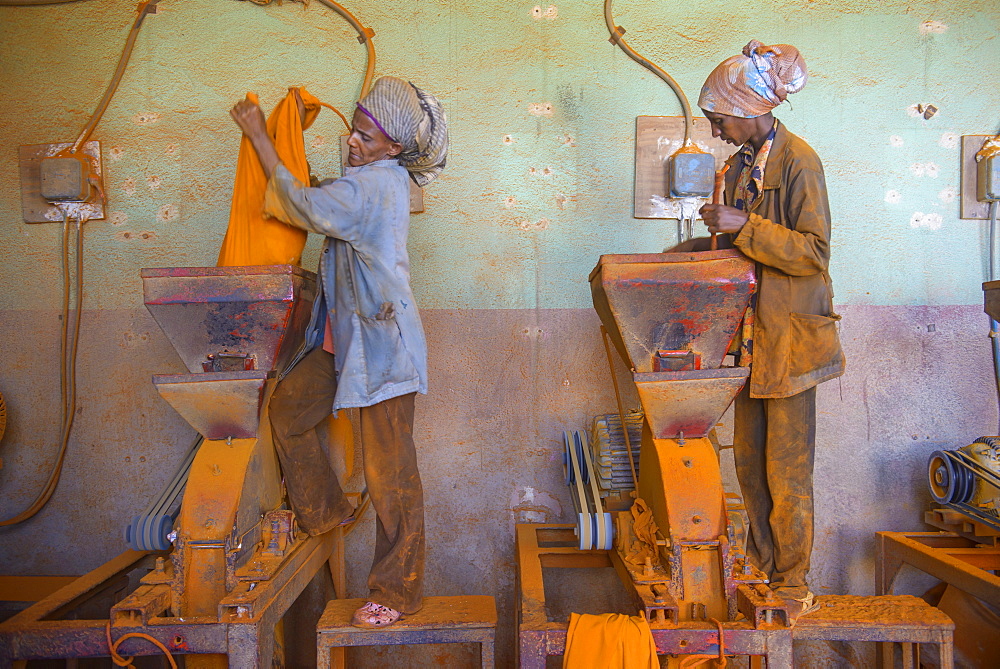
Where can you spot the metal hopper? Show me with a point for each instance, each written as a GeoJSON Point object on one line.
{"type": "Point", "coordinates": [255, 311]}
{"type": "Point", "coordinates": [232, 327]}
{"type": "Point", "coordinates": [679, 309]}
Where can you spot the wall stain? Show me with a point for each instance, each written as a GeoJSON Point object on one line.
{"type": "Point", "coordinates": [148, 118]}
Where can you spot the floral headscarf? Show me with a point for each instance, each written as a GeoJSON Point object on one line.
{"type": "Point", "coordinates": [755, 82]}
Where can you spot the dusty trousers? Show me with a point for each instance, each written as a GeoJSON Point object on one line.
{"type": "Point", "coordinates": [774, 443]}
{"type": "Point", "coordinates": [299, 407]}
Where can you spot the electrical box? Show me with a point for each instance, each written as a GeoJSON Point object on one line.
{"type": "Point", "coordinates": [988, 179]}
{"type": "Point", "coordinates": [657, 138]}
{"type": "Point", "coordinates": [52, 185]}
{"type": "Point", "coordinates": [691, 174]}
{"type": "Point", "coordinates": [64, 179]}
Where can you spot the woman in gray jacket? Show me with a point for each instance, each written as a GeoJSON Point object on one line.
{"type": "Point", "coordinates": [365, 345]}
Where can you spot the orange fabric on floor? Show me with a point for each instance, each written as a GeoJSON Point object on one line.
{"type": "Point", "coordinates": [609, 641]}
{"type": "Point", "coordinates": [252, 237]}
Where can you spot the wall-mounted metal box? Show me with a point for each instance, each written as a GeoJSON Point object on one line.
{"type": "Point", "coordinates": [691, 174]}
{"type": "Point", "coordinates": [988, 179]}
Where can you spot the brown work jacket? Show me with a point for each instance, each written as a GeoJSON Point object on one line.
{"type": "Point", "coordinates": [795, 342]}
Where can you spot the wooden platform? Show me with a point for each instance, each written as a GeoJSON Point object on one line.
{"type": "Point", "coordinates": [887, 620]}
{"type": "Point", "coordinates": [950, 520]}
{"type": "Point", "coordinates": [903, 619]}
{"type": "Point", "coordinates": [461, 619]}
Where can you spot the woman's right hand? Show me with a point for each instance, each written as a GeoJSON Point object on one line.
{"type": "Point", "coordinates": [251, 120]}
{"type": "Point", "coordinates": [249, 117]}
{"type": "Point", "coordinates": [720, 218]}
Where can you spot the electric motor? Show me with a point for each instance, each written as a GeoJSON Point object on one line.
{"type": "Point", "coordinates": [968, 479]}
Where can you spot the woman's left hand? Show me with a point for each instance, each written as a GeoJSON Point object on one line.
{"type": "Point", "coordinates": [720, 218]}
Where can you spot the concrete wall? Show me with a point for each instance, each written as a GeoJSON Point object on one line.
{"type": "Point", "coordinates": [539, 183]}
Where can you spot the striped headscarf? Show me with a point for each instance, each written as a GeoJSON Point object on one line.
{"type": "Point", "coordinates": [415, 119]}
{"type": "Point", "coordinates": [754, 83]}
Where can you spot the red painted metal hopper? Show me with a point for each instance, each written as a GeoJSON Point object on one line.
{"type": "Point", "coordinates": [232, 326]}
{"type": "Point", "coordinates": [677, 302]}
{"type": "Point", "coordinates": [259, 311]}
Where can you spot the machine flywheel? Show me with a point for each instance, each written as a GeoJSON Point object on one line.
{"type": "Point", "coordinates": [950, 483]}
{"type": "Point", "coordinates": [594, 527]}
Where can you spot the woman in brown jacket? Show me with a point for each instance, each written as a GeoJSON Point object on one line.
{"type": "Point", "coordinates": [778, 215]}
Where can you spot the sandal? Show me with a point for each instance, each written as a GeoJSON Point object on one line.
{"type": "Point", "coordinates": [373, 616]}
{"type": "Point", "coordinates": [801, 607]}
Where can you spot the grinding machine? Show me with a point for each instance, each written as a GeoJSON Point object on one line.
{"type": "Point", "coordinates": [672, 318]}
{"type": "Point", "coordinates": [236, 559]}
{"type": "Point", "coordinates": [967, 480]}
{"type": "Point", "coordinates": [648, 491]}
{"type": "Point", "coordinates": [965, 554]}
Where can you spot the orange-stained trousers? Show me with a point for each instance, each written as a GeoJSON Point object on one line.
{"type": "Point", "coordinates": [774, 444]}
{"type": "Point", "coordinates": [299, 407]}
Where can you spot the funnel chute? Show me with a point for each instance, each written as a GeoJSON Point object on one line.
{"type": "Point", "coordinates": [232, 327]}
{"type": "Point", "coordinates": [685, 306]}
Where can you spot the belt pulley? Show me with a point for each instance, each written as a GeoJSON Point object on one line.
{"type": "Point", "coordinates": [149, 531]}
{"type": "Point", "coordinates": [594, 527]}
{"type": "Point", "coordinates": [968, 481]}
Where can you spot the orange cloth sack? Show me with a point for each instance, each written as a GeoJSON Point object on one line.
{"type": "Point", "coordinates": [609, 641]}
{"type": "Point", "coordinates": [252, 237]}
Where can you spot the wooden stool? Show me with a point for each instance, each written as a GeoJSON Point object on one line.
{"type": "Point", "coordinates": [462, 619]}
{"type": "Point", "coordinates": [903, 619]}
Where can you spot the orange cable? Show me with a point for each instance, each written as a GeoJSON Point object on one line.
{"type": "Point", "coordinates": [67, 371]}
{"type": "Point", "coordinates": [364, 36]}
{"type": "Point", "coordinates": [343, 118]}
{"type": "Point", "coordinates": [127, 661]}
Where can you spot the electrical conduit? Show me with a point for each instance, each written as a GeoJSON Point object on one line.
{"type": "Point", "coordinates": [147, 7]}
{"type": "Point", "coordinates": [364, 36]}
{"type": "Point", "coordinates": [994, 326]}
{"type": "Point", "coordinates": [616, 38]}
{"type": "Point", "coordinates": [67, 369]}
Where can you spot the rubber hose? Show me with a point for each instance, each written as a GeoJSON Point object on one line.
{"type": "Point", "coordinates": [994, 326]}
{"type": "Point", "coordinates": [67, 371]}
{"type": "Point", "coordinates": [147, 7]}
{"type": "Point", "coordinates": [616, 37]}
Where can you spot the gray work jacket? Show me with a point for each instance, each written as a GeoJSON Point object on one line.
{"type": "Point", "coordinates": [364, 272]}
